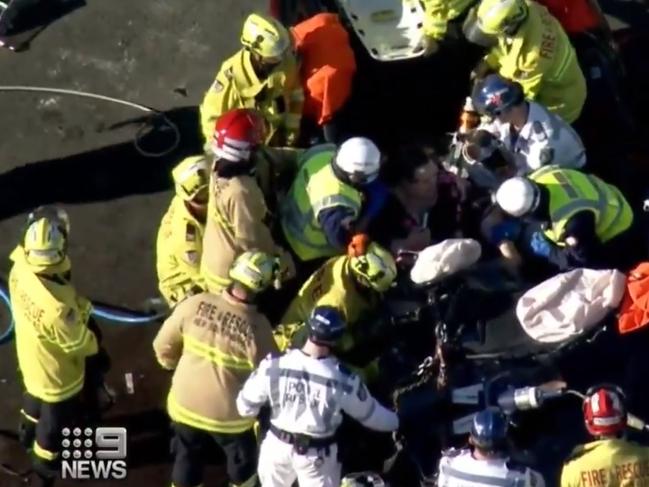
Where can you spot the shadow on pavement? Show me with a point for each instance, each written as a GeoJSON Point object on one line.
{"type": "Point", "coordinates": [23, 20]}
{"type": "Point", "coordinates": [101, 174]}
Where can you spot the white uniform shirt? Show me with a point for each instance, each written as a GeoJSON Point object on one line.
{"type": "Point", "coordinates": [545, 139]}
{"type": "Point", "coordinates": [458, 468]}
{"type": "Point", "coordinates": [307, 396]}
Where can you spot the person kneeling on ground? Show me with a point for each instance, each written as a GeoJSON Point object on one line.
{"type": "Point", "coordinates": [308, 389]}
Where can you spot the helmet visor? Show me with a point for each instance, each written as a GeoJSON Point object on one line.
{"type": "Point", "coordinates": [55, 214]}
{"type": "Point", "coordinates": [475, 34]}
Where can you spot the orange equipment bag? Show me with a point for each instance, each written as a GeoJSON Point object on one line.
{"type": "Point", "coordinates": [634, 310]}
{"type": "Point", "coordinates": [327, 65]}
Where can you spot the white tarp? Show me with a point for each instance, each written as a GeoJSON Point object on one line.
{"type": "Point", "coordinates": [445, 258]}
{"type": "Point", "coordinates": [569, 304]}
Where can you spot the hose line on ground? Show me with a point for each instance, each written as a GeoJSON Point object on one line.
{"type": "Point", "coordinates": [140, 132]}
{"type": "Point", "coordinates": [107, 313]}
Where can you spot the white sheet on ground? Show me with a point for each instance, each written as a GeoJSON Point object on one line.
{"type": "Point", "coordinates": [569, 304]}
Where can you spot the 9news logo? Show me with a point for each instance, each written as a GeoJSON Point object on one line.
{"type": "Point", "coordinates": [93, 453]}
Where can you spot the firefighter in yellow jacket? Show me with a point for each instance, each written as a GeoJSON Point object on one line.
{"type": "Point", "coordinates": [214, 342]}
{"type": "Point", "coordinates": [180, 237]}
{"type": "Point", "coordinates": [53, 339]}
{"type": "Point", "coordinates": [610, 459]}
{"type": "Point", "coordinates": [263, 75]}
{"type": "Point", "coordinates": [532, 49]}
{"type": "Point", "coordinates": [353, 285]}
{"type": "Point", "coordinates": [438, 15]}
{"type": "Point", "coordinates": [238, 215]}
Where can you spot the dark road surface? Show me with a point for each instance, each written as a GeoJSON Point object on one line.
{"type": "Point", "coordinates": [160, 53]}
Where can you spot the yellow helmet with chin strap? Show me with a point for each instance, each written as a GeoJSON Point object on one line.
{"type": "Point", "coordinates": [46, 239]}
{"type": "Point", "coordinates": [497, 17]}
{"type": "Point", "coordinates": [375, 268]}
{"type": "Point", "coordinates": [266, 37]}
{"type": "Point", "coordinates": [192, 178]}
{"type": "Point", "coordinates": [255, 270]}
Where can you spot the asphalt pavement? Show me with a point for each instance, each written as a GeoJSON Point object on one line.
{"type": "Point", "coordinates": [159, 53]}
{"type": "Point", "coordinates": [79, 152]}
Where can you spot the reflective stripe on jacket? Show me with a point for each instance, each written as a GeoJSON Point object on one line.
{"type": "Point", "coordinates": [213, 343]}
{"type": "Point", "coordinates": [541, 58]}
{"type": "Point", "coordinates": [316, 188]}
{"type": "Point", "coordinates": [52, 336]}
{"type": "Point", "coordinates": [572, 191]}
{"type": "Point", "coordinates": [178, 253]}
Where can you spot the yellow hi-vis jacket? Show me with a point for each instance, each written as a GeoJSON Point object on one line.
{"type": "Point", "coordinates": [213, 343]}
{"type": "Point", "coordinates": [52, 336]}
{"type": "Point", "coordinates": [237, 86]}
{"type": "Point", "coordinates": [438, 13]}
{"type": "Point", "coordinates": [572, 191]}
{"type": "Point", "coordinates": [316, 188]}
{"type": "Point", "coordinates": [178, 253]}
{"type": "Point", "coordinates": [607, 463]}
{"type": "Point", "coordinates": [541, 58]}
{"type": "Point", "coordinates": [331, 285]}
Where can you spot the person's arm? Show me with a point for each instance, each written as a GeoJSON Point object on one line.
{"type": "Point", "coordinates": [435, 18]}
{"type": "Point", "coordinates": [264, 341]}
{"type": "Point", "coordinates": [72, 334]}
{"type": "Point", "coordinates": [583, 247]}
{"type": "Point", "coordinates": [249, 217]}
{"type": "Point", "coordinates": [168, 343]}
{"type": "Point", "coordinates": [364, 408]}
{"type": "Point", "coordinates": [218, 99]}
{"type": "Point", "coordinates": [254, 393]}
{"type": "Point", "coordinates": [337, 224]}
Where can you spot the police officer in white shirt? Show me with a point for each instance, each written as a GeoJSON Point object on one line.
{"type": "Point", "coordinates": [486, 464]}
{"type": "Point", "coordinates": [534, 135]}
{"type": "Point", "coordinates": [308, 389]}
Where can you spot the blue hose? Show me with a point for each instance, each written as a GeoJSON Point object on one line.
{"type": "Point", "coordinates": [8, 334]}
{"type": "Point", "coordinates": [104, 312]}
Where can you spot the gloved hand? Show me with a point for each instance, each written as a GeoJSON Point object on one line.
{"type": "Point", "coordinates": [287, 268]}
{"type": "Point", "coordinates": [430, 44]}
{"type": "Point", "coordinates": [376, 194]}
{"type": "Point", "coordinates": [510, 230]}
{"type": "Point", "coordinates": [540, 245]}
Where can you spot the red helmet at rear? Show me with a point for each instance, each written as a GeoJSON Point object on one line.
{"type": "Point", "coordinates": [237, 133]}
{"type": "Point", "coordinates": [604, 411]}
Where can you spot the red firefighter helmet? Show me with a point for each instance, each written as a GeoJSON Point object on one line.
{"type": "Point", "coordinates": [237, 133]}
{"type": "Point", "coordinates": [604, 411]}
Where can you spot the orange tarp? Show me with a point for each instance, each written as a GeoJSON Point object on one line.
{"type": "Point", "coordinates": [328, 65]}
{"type": "Point", "coordinates": [634, 311]}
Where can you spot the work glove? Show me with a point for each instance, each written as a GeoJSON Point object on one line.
{"type": "Point", "coordinates": [376, 194]}
{"type": "Point", "coordinates": [540, 245]}
{"type": "Point", "coordinates": [287, 268]}
{"type": "Point", "coordinates": [508, 230]}
{"type": "Point", "coordinates": [430, 45]}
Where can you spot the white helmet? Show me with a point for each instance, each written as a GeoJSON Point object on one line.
{"type": "Point", "coordinates": [359, 159]}
{"type": "Point", "coordinates": [518, 196]}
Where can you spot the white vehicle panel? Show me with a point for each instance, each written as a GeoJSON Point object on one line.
{"type": "Point", "coordinates": [390, 30]}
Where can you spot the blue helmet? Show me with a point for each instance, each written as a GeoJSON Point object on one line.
{"type": "Point", "coordinates": [495, 94]}
{"type": "Point", "coordinates": [326, 325]}
{"type": "Point", "coordinates": [489, 429]}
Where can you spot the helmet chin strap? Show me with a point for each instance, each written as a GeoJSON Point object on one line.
{"type": "Point", "coordinates": [230, 169]}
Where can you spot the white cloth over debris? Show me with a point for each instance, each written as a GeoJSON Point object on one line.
{"type": "Point", "coordinates": [445, 258]}
{"type": "Point", "coordinates": [569, 304]}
